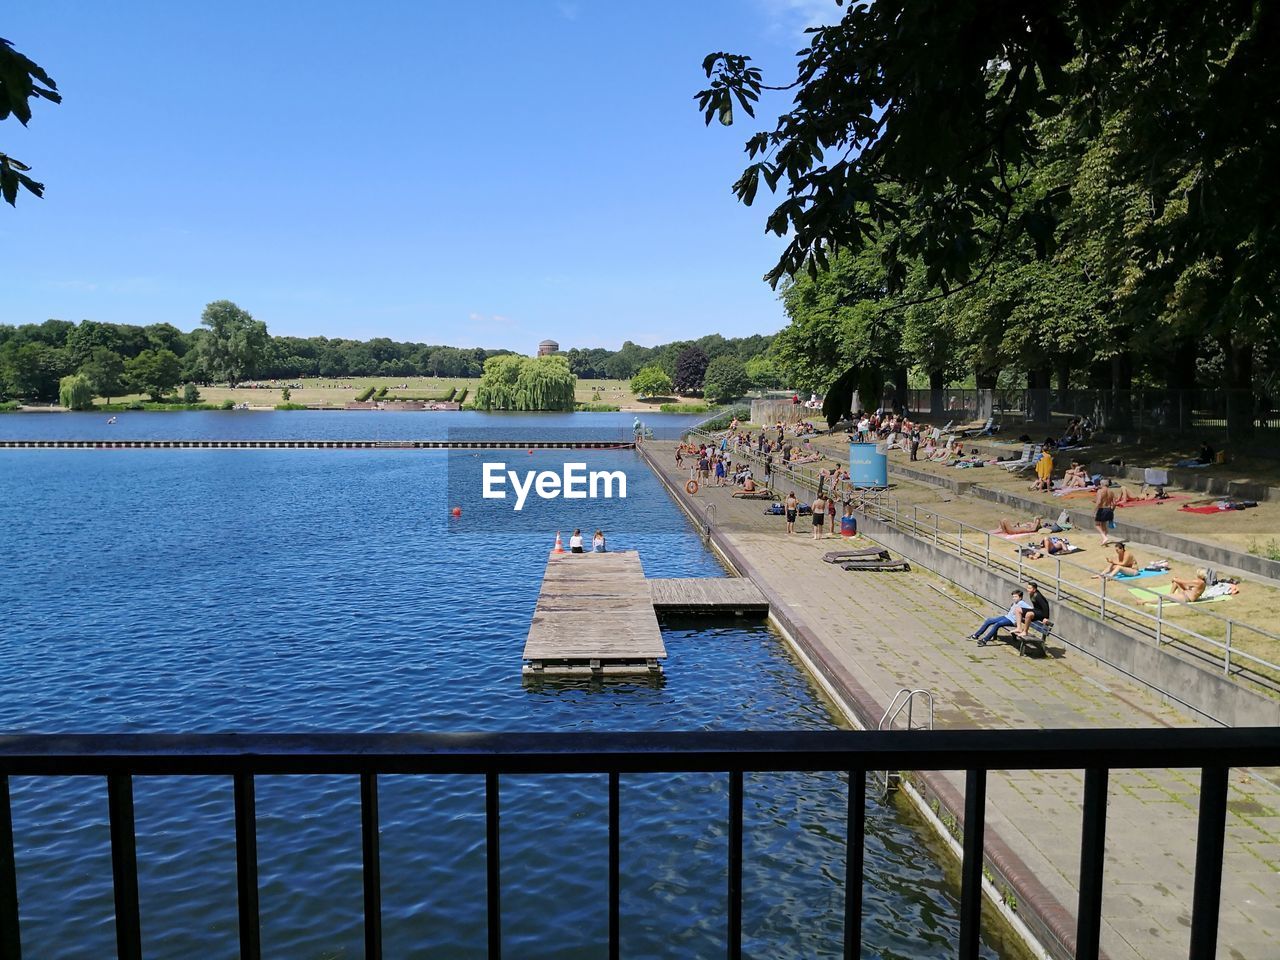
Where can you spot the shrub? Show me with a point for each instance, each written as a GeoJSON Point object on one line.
{"type": "Point", "coordinates": [9, 406]}
{"type": "Point", "coordinates": [382, 392]}
{"type": "Point", "coordinates": [228, 405]}
{"type": "Point", "coordinates": [597, 408]}
{"type": "Point", "coordinates": [686, 408]}
{"type": "Point", "coordinates": [462, 396]}
{"type": "Point", "coordinates": [190, 393]}
{"type": "Point", "coordinates": [365, 394]}
{"type": "Point", "coordinates": [285, 394]}
{"type": "Point", "coordinates": [291, 406]}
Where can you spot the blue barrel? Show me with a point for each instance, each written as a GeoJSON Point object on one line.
{"type": "Point", "coordinates": [848, 526]}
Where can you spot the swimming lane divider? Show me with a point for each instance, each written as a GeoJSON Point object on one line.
{"type": "Point", "coordinates": [47, 444]}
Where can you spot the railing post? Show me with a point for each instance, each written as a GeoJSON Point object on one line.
{"type": "Point", "coordinates": [247, 867]}
{"type": "Point", "coordinates": [855, 840]}
{"type": "Point", "coordinates": [493, 865]}
{"type": "Point", "coordinates": [1159, 619]}
{"type": "Point", "coordinates": [1226, 659]}
{"type": "Point", "coordinates": [372, 863]}
{"type": "Point", "coordinates": [1206, 894]}
{"type": "Point", "coordinates": [975, 802]}
{"type": "Point", "coordinates": [1057, 578]}
{"type": "Point", "coordinates": [735, 865]}
{"type": "Point", "coordinates": [960, 540]}
{"type": "Point", "coordinates": [124, 866]}
{"type": "Point", "coordinates": [1093, 834]}
{"type": "Point", "coordinates": [1102, 600]}
{"type": "Point", "coordinates": [935, 529]}
{"type": "Point", "coordinates": [10, 936]}
{"type": "Point", "coordinates": [988, 536]}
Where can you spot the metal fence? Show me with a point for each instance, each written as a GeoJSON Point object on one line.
{"type": "Point", "coordinates": [242, 757]}
{"type": "Point", "coordinates": [1141, 411]}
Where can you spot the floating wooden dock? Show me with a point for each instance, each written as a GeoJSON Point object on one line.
{"type": "Point", "coordinates": [707, 595]}
{"type": "Point", "coordinates": [594, 617]}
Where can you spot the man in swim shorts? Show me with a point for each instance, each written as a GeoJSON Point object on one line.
{"type": "Point", "coordinates": [1104, 508]}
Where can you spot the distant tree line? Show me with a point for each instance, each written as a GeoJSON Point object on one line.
{"type": "Point", "coordinates": [230, 346]}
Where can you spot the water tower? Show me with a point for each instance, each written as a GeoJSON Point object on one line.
{"type": "Point", "coordinates": [547, 347]}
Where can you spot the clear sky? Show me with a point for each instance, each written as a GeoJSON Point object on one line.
{"type": "Point", "coordinates": [474, 173]}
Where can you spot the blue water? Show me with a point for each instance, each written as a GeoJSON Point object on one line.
{"type": "Point", "coordinates": [337, 425]}
{"type": "Point", "coordinates": [316, 590]}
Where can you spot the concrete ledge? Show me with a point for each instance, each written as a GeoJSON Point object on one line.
{"type": "Point", "coordinates": [1205, 691]}
{"type": "Point", "coordinates": [1196, 480]}
{"type": "Point", "coordinates": [1211, 554]}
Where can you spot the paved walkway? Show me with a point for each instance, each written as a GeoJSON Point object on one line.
{"type": "Point", "coordinates": [894, 630]}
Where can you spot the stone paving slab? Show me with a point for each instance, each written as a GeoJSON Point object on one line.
{"type": "Point", "coordinates": [894, 630]}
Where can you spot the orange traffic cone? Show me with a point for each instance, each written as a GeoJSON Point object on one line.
{"type": "Point", "coordinates": [559, 547]}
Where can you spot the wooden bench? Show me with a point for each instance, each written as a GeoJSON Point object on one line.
{"type": "Point", "coordinates": [1039, 633]}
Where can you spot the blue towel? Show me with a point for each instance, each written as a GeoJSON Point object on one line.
{"type": "Point", "coordinates": [1140, 574]}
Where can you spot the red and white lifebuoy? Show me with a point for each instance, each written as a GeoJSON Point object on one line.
{"type": "Point", "coordinates": [691, 487]}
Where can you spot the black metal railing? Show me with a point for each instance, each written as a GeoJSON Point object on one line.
{"type": "Point", "coordinates": [120, 758]}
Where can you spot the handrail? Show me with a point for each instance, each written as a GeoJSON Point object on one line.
{"type": "Point", "coordinates": [243, 757]}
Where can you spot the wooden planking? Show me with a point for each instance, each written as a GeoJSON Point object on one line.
{"type": "Point", "coordinates": [707, 594]}
{"type": "Point", "coordinates": [594, 606]}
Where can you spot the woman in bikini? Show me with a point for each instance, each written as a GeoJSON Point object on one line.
{"type": "Point", "coordinates": [1189, 591]}
{"type": "Point", "coordinates": [1009, 528]}
{"type": "Point", "coordinates": [1125, 562]}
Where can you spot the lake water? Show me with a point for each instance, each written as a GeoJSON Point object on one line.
{"type": "Point", "coordinates": [330, 590]}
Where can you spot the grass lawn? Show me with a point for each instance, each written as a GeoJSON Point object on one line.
{"type": "Point", "coordinates": [334, 393]}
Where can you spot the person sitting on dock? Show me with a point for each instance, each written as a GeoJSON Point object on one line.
{"type": "Point", "coordinates": [597, 542]}
{"type": "Point", "coordinates": [575, 542]}
{"type": "Point", "coordinates": [1125, 562]}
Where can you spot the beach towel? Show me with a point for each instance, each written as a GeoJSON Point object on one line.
{"type": "Point", "coordinates": [1013, 536]}
{"type": "Point", "coordinates": [1149, 594]}
{"type": "Point", "coordinates": [1205, 510]}
{"type": "Point", "coordinates": [1141, 574]}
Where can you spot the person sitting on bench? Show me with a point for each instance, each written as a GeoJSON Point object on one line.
{"type": "Point", "coordinates": [991, 626]}
{"type": "Point", "coordinates": [1039, 612]}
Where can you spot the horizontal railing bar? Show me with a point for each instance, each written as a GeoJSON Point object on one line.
{"type": "Point", "coordinates": [599, 752]}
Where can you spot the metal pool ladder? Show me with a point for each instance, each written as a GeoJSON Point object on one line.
{"type": "Point", "coordinates": [904, 699]}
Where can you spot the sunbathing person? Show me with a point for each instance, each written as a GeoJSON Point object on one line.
{"type": "Point", "coordinates": [1128, 496]}
{"type": "Point", "coordinates": [1009, 528]}
{"type": "Point", "coordinates": [1075, 477]}
{"type": "Point", "coordinates": [1189, 591]}
{"type": "Point", "coordinates": [1049, 546]}
{"type": "Point", "coordinates": [1125, 562]}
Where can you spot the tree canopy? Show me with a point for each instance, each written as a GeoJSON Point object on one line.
{"type": "Point", "coordinates": [234, 346]}
{"type": "Point", "coordinates": [513, 382]}
{"type": "Point", "coordinates": [21, 81]}
{"type": "Point", "coordinates": [651, 381]}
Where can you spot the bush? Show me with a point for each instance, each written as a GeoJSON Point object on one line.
{"type": "Point", "coordinates": [9, 406]}
{"type": "Point", "coordinates": [381, 392]}
{"type": "Point", "coordinates": [291, 406]}
{"type": "Point", "coordinates": [462, 396]}
{"type": "Point", "coordinates": [597, 408]}
{"type": "Point", "coordinates": [285, 394]}
{"type": "Point", "coordinates": [228, 405]}
{"type": "Point", "coordinates": [721, 421]}
{"type": "Point", "coordinates": [190, 393]}
{"type": "Point", "coordinates": [686, 408]}
{"type": "Point", "coordinates": [365, 394]}
{"type": "Point", "coordinates": [651, 381]}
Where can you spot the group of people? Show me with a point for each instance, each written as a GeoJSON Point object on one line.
{"type": "Point", "coordinates": [576, 544]}
{"type": "Point", "coordinates": [823, 508]}
{"type": "Point", "coordinates": [1025, 609]}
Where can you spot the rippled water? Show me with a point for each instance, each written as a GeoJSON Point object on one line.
{"type": "Point", "coordinates": [316, 590]}
{"type": "Point", "coordinates": [336, 425]}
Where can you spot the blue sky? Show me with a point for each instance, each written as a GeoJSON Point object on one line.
{"type": "Point", "coordinates": [483, 174]}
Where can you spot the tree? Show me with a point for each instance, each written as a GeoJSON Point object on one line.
{"type": "Point", "coordinates": [234, 345]}
{"type": "Point", "coordinates": [726, 379]}
{"type": "Point", "coordinates": [763, 372]}
{"type": "Point", "coordinates": [74, 392]}
{"type": "Point", "coordinates": [32, 369]}
{"type": "Point", "coordinates": [154, 372]}
{"type": "Point", "coordinates": [191, 393]}
{"type": "Point", "coordinates": [691, 367]}
{"type": "Point", "coordinates": [651, 381]}
{"type": "Point", "coordinates": [105, 371]}
{"type": "Point", "coordinates": [497, 389]}
{"type": "Point", "coordinates": [21, 81]}
{"type": "Point", "coordinates": [512, 382]}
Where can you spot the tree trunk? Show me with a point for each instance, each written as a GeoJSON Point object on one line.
{"type": "Point", "coordinates": [1240, 399]}
{"type": "Point", "coordinates": [937, 383]}
{"type": "Point", "coordinates": [902, 387]}
{"type": "Point", "coordinates": [1120, 412]}
{"type": "Point", "coordinates": [1037, 405]}
{"type": "Point", "coordinates": [1180, 377]}
{"type": "Point", "coordinates": [986, 381]}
